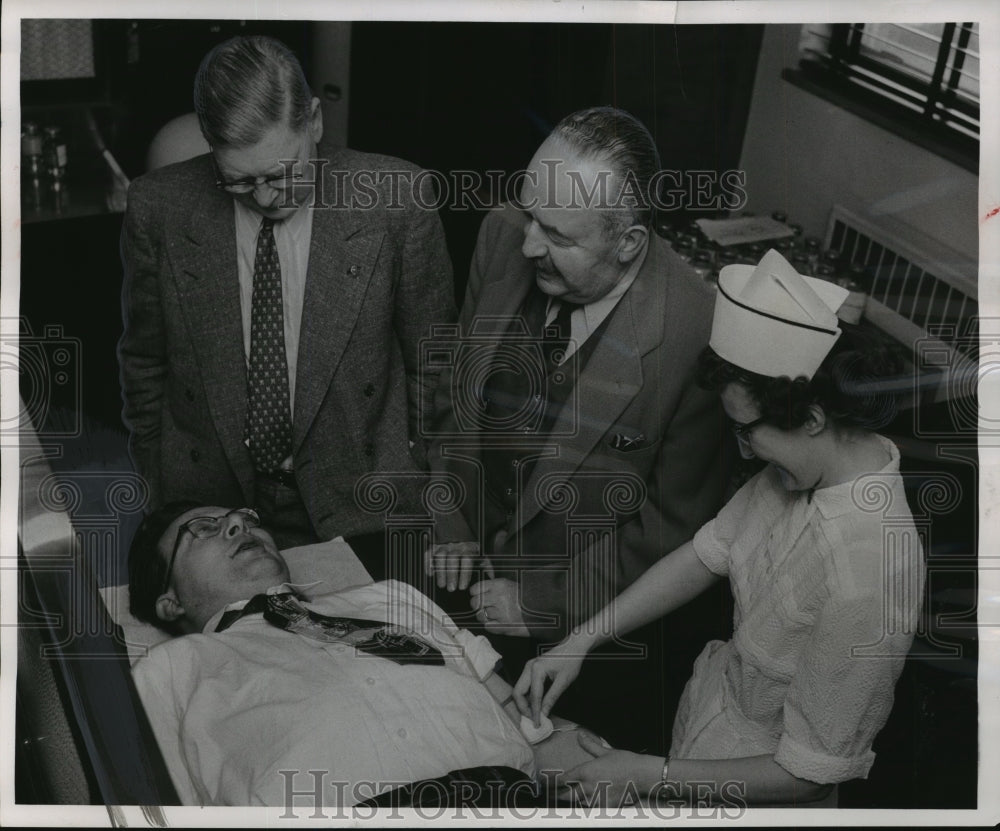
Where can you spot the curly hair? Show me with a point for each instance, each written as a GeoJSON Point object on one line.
{"type": "Point", "coordinates": [848, 385]}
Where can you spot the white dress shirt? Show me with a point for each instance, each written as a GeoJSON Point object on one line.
{"type": "Point", "coordinates": [585, 319]}
{"type": "Point", "coordinates": [231, 710]}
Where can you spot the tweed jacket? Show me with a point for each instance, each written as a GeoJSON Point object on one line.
{"type": "Point", "coordinates": [635, 460]}
{"type": "Point", "coordinates": [378, 277]}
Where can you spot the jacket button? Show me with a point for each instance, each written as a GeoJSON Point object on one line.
{"type": "Point", "coordinates": [369, 449]}
{"type": "Point", "coordinates": [369, 390]}
{"type": "Point", "coordinates": [189, 394]}
{"type": "Point", "coordinates": [353, 271]}
{"type": "Point", "coordinates": [196, 455]}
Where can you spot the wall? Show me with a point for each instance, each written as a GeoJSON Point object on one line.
{"type": "Point", "coordinates": [329, 75]}
{"type": "Point", "coordinates": [802, 154]}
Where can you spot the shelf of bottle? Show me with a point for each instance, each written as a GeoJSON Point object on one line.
{"type": "Point", "coordinates": [75, 199]}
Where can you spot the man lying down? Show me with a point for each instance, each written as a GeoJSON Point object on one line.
{"type": "Point", "coordinates": [274, 687]}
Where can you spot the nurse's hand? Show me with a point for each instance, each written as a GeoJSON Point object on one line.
{"type": "Point", "coordinates": [605, 779]}
{"type": "Point", "coordinates": [559, 666]}
{"type": "Point", "coordinates": [453, 564]}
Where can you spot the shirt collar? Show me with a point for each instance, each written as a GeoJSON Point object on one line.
{"type": "Point", "coordinates": [251, 220]}
{"type": "Point", "coordinates": [295, 588]}
{"type": "Point", "coordinates": [838, 500]}
{"type": "Point", "coordinates": [598, 310]}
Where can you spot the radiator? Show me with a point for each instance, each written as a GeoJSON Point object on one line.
{"type": "Point", "coordinates": [920, 292]}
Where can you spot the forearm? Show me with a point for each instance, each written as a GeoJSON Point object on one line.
{"type": "Point", "coordinates": [558, 752]}
{"type": "Point", "coordinates": [751, 780]}
{"type": "Point", "coordinates": [503, 694]}
{"type": "Point", "coordinates": [667, 585]}
{"type": "Point", "coordinates": [754, 780]}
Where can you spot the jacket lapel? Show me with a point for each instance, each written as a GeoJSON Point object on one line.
{"type": "Point", "coordinates": [501, 300]}
{"type": "Point", "coordinates": [608, 383]}
{"type": "Point", "coordinates": [208, 287]}
{"type": "Point", "coordinates": [342, 259]}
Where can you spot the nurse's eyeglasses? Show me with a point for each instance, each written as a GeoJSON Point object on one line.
{"type": "Point", "coordinates": [742, 431]}
{"type": "Point", "coordinates": [203, 527]}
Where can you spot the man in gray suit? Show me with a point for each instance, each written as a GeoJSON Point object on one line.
{"type": "Point", "coordinates": [568, 406]}
{"type": "Point", "coordinates": [276, 291]}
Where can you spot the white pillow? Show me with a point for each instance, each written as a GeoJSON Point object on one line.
{"type": "Point", "coordinates": [332, 562]}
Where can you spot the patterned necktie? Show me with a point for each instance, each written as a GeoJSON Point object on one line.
{"type": "Point", "coordinates": [371, 636]}
{"type": "Point", "coordinates": [269, 427]}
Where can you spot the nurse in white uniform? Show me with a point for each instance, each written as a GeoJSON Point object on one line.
{"type": "Point", "coordinates": [820, 550]}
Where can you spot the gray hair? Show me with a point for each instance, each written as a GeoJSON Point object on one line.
{"type": "Point", "coordinates": [620, 139]}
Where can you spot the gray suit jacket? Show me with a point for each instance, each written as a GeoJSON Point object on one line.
{"type": "Point", "coordinates": [378, 278]}
{"type": "Point", "coordinates": [635, 462]}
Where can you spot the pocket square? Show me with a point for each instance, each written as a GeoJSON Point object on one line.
{"type": "Point", "coordinates": [627, 443]}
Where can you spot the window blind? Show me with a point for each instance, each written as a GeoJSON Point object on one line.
{"type": "Point", "coordinates": [930, 69]}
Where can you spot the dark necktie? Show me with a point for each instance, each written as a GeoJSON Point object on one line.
{"type": "Point", "coordinates": [371, 636]}
{"type": "Point", "coordinates": [556, 335]}
{"type": "Point", "coordinates": [269, 426]}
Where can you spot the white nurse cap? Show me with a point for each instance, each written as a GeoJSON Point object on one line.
{"type": "Point", "coordinates": [771, 320]}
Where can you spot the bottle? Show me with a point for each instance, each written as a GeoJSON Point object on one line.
{"type": "Point", "coordinates": [727, 256]}
{"type": "Point", "coordinates": [31, 149]}
{"type": "Point", "coordinates": [31, 166]}
{"type": "Point", "coordinates": [831, 257]}
{"type": "Point", "coordinates": [812, 249]}
{"type": "Point", "coordinates": [55, 157]}
{"type": "Point", "coordinates": [703, 265]}
{"type": "Point", "coordinates": [826, 272]}
{"type": "Point", "coordinates": [685, 247]}
{"type": "Point", "coordinates": [857, 275]}
{"type": "Point", "coordinates": [698, 237]}
{"type": "Point", "coordinates": [666, 230]}
{"type": "Point", "coordinates": [795, 241]}
{"type": "Point", "coordinates": [714, 251]}
{"type": "Point", "coordinates": [801, 263]}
